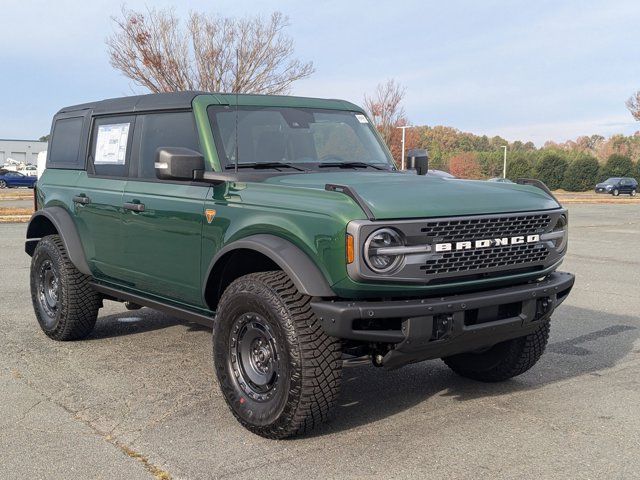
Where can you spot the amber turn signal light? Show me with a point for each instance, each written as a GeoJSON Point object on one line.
{"type": "Point", "coordinates": [350, 250]}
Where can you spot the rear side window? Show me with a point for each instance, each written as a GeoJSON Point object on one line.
{"type": "Point", "coordinates": [64, 150]}
{"type": "Point", "coordinates": [177, 129]}
{"type": "Point", "coordinates": [111, 146]}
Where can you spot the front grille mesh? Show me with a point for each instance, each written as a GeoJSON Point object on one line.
{"type": "Point", "coordinates": [486, 258]}
{"type": "Point", "coordinates": [480, 260]}
{"type": "Point", "coordinates": [479, 228]}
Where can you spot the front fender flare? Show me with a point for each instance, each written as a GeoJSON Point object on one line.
{"type": "Point", "coordinates": [302, 271]}
{"type": "Point", "coordinates": [66, 228]}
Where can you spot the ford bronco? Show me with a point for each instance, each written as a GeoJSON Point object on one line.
{"type": "Point", "coordinates": [283, 223]}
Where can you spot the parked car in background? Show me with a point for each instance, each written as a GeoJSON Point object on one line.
{"type": "Point", "coordinates": [499, 180]}
{"type": "Point", "coordinates": [9, 179]}
{"type": "Point", "coordinates": [29, 170]}
{"type": "Point", "coordinates": [440, 173]}
{"type": "Point", "coordinates": [617, 185]}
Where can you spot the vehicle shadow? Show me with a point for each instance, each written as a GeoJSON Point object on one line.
{"type": "Point", "coordinates": [370, 394]}
{"type": "Point", "coordinates": [133, 322]}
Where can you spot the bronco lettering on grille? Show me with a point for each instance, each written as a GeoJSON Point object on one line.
{"type": "Point", "coordinates": [486, 243]}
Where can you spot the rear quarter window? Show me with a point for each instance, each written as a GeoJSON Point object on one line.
{"type": "Point", "coordinates": [64, 147]}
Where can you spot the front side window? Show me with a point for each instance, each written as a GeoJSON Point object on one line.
{"type": "Point", "coordinates": [176, 129]}
{"type": "Point", "coordinates": [308, 137]}
{"type": "Point", "coordinates": [111, 146]}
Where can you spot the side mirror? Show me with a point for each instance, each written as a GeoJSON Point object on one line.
{"type": "Point", "coordinates": [418, 159]}
{"type": "Point", "coordinates": [177, 163]}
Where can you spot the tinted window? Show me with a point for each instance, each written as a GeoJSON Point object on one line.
{"type": "Point", "coordinates": [65, 144]}
{"type": "Point", "coordinates": [165, 130]}
{"type": "Point", "coordinates": [111, 146]}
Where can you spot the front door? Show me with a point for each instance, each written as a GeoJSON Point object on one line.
{"type": "Point", "coordinates": [162, 220]}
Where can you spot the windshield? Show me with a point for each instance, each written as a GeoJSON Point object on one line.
{"type": "Point", "coordinates": [306, 137]}
{"type": "Point", "coordinates": [612, 180]}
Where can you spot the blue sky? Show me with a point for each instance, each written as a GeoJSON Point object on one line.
{"type": "Point", "coordinates": [521, 69]}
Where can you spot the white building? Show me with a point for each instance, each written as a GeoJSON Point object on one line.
{"type": "Point", "coordinates": [22, 151]}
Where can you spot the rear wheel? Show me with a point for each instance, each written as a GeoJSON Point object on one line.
{"type": "Point", "coordinates": [279, 372]}
{"type": "Point", "coordinates": [502, 361]}
{"type": "Point", "coordinates": [64, 303]}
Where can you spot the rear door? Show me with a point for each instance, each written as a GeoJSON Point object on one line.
{"type": "Point", "coordinates": [163, 220]}
{"type": "Point", "coordinates": [98, 196]}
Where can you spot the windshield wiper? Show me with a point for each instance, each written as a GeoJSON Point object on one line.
{"type": "Point", "coordinates": [350, 165]}
{"type": "Point", "coordinates": [260, 165]}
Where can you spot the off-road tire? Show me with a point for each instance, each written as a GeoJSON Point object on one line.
{"type": "Point", "coordinates": [502, 361]}
{"type": "Point", "coordinates": [308, 384]}
{"type": "Point", "coordinates": [77, 307]}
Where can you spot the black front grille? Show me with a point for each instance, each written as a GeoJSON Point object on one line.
{"type": "Point", "coordinates": [511, 256]}
{"type": "Point", "coordinates": [481, 228]}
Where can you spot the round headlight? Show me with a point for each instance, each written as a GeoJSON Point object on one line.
{"type": "Point", "coordinates": [378, 250]}
{"type": "Point", "coordinates": [562, 225]}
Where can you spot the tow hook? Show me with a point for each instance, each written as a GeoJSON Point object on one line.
{"type": "Point", "coordinates": [377, 359]}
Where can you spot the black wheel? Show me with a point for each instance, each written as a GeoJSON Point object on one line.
{"type": "Point", "coordinates": [615, 192]}
{"type": "Point", "coordinates": [278, 371]}
{"type": "Point", "coordinates": [65, 304]}
{"type": "Point", "coordinates": [3, 184]}
{"type": "Point", "coordinates": [502, 361]}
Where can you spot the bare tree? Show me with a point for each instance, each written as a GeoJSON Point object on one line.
{"type": "Point", "coordinates": [633, 104]}
{"type": "Point", "coordinates": [385, 109]}
{"type": "Point", "coordinates": [210, 53]}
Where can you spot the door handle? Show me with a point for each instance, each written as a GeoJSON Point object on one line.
{"type": "Point", "coordinates": [133, 206]}
{"type": "Point", "coordinates": [82, 199]}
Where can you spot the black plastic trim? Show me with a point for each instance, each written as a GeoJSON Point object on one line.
{"type": "Point", "coordinates": [296, 264]}
{"type": "Point", "coordinates": [179, 312]}
{"type": "Point", "coordinates": [351, 193]}
{"type": "Point", "coordinates": [62, 221]}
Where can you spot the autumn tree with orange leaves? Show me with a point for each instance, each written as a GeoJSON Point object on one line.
{"type": "Point", "coordinates": [465, 165]}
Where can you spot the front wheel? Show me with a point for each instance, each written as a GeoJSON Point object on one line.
{"type": "Point", "coordinates": [504, 360]}
{"type": "Point", "coordinates": [633, 192]}
{"type": "Point", "coordinates": [3, 184]}
{"type": "Point", "coordinates": [279, 372]}
{"type": "Point", "coordinates": [615, 192]}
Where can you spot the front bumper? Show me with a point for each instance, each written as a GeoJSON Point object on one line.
{"type": "Point", "coordinates": [437, 327]}
{"type": "Point", "coordinates": [602, 190]}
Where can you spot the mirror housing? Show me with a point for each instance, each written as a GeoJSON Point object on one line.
{"type": "Point", "coordinates": [177, 163]}
{"type": "Point", "coordinates": [418, 159]}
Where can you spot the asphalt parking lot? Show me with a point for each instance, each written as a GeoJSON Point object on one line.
{"type": "Point", "coordinates": [139, 397]}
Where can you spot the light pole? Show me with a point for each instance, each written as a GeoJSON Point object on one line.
{"type": "Point", "coordinates": [403, 128]}
{"type": "Point", "coordinates": [504, 166]}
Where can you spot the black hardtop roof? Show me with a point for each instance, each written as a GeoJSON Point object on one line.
{"type": "Point", "coordinates": [183, 100]}
{"type": "Point", "coordinates": [136, 103]}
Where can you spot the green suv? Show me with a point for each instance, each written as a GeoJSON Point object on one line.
{"type": "Point", "coordinates": [283, 223]}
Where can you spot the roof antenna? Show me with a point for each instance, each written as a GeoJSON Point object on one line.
{"type": "Point", "coordinates": [236, 88]}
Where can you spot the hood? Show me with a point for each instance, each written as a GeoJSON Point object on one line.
{"type": "Point", "coordinates": [397, 195]}
{"type": "Point", "coordinates": [603, 184]}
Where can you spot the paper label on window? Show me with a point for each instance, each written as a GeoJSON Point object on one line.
{"type": "Point", "coordinates": [111, 144]}
{"type": "Point", "coordinates": [361, 118]}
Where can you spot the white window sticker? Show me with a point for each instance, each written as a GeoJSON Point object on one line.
{"type": "Point", "coordinates": [111, 144]}
{"type": "Point", "coordinates": [361, 118]}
